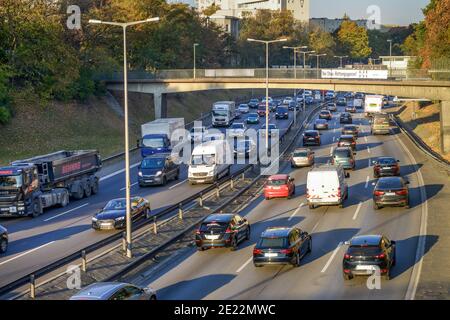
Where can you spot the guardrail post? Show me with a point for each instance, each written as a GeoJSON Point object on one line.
{"type": "Point", "coordinates": [155, 229]}
{"type": "Point", "coordinates": [243, 176]}
{"type": "Point", "coordinates": [201, 199]}
{"type": "Point", "coordinates": [231, 183]}
{"type": "Point", "coordinates": [83, 260]}
{"type": "Point", "coordinates": [32, 286]}
{"type": "Point", "coordinates": [124, 241]}
{"type": "Point", "coordinates": [217, 191]}
{"type": "Point", "coordinates": [180, 211]}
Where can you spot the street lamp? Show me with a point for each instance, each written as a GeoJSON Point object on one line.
{"type": "Point", "coordinates": [267, 42]}
{"type": "Point", "coordinates": [195, 45]}
{"type": "Point", "coordinates": [295, 57]}
{"type": "Point", "coordinates": [390, 55]}
{"type": "Point", "coordinates": [124, 26]}
{"type": "Point", "coordinates": [317, 64]}
{"type": "Point", "coordinates": [341, 57]}
{"type": "Point", "coordinates": [304, 60]}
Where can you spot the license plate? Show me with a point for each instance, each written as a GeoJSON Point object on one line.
{"type": "Point", "coordinates": [200, 181]}
{"type": "Point", "coordinates": [276, 188]}
{"type": "Point", "coordinates": [385, 168]}
{"type": "Point", "coordinates": [390, 193]}
{"type": "Point", "coordinates": [270, 254]}
{"type": "Point", "coordinates": [214, 237]}
{"type": "Point", "coordinates": [12, 209]}
{"type": "Point", "coordinates": [106, 225]}
{"type": "Point", "coordinates": [365, 267]}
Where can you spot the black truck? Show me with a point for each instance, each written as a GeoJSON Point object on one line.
{"type": "Point", "coordinates": [28, 186]}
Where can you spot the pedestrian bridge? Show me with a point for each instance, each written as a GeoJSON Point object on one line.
{"type": "Point", "coordinates": [432, 90]}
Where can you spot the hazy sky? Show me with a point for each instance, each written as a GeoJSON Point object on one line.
{"type": "Point", "coordinates": [402, 12]}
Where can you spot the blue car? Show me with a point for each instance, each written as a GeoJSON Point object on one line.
{"type": "Point", "coordinates": [252, 118]}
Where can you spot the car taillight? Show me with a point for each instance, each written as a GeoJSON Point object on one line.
{"type": "Point", "coordinates": [380, 256]}
{"type": "Point", "coordinates": [377, 168]}
{"type": "Point", "coordinates": [339, 192]}
{"type": "Point", "coordinates": [401, 192]}
{"type": "Point", "coordinates": [286, 251]}
{"type": "Point", "coordinates": [351, 161]}
{"type": "Point", "coordinates": [347, 256]}
{"type": "Point", "coordinates": [257, 251]}
{"type": "Point", "coordinates": [378, 193]}
{"type": "Point", "coordinates": [197, 231]}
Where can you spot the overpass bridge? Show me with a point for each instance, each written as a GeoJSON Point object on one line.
{"type": "Point", "coordinates": [432, 90]}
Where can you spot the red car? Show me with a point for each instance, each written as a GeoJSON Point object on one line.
{"type": "Point", "coordinates": [279, 186]}
{"type": "Point", "coordinates": [261, 109]}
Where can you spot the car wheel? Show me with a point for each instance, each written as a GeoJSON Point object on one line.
{"type": "Point", "coordinates": [178, 175]}
{"type": "Point", "coordinates": [267, 198]}
{"type": "Point", "coordinates": [247, 235]}
{"type": "Point", "coordinates": [36, 207]}
{"type": "Point", "coordinates": [311, 206]}
{"type": "Point", "coordinates": [3, 245]}
{"type": "Point", "coordinates": [341, 205]}
{"type": "Point", "coordinates": [297, 261]}
{"type": "Point", "coordinates": [347, 277]}
{"type": "Point", "coordinates": [233, 246]}
{"type": "Point", "coordinates": [387, 276]}
{"type": "Point", "coordinates": [200, 249]}
{"type": "Point", "coordinates": [88, 190]}
{"type": "Point", "coordinates": [64, 200]}
{"type": "Point", "coordinates": [79, 193]}
{"type": "Point", "coordinates": [153, 297]}
{"type": "Point", "coordinates": [257, 265]}
{"type": "Point", "coordinates": [164, 181]}
{"type": "Point", "coordinates": [310, 246]}
{"type": "Point", "coordinates": [375, 206]}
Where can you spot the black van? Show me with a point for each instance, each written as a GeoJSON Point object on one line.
{"type": "Point", "coordinates": [157, 169]}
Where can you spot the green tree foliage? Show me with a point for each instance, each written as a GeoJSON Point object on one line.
{"type": "Point", "coordinates": [5, 99]}
{"type": "Point", "coordinates": [353, 40]}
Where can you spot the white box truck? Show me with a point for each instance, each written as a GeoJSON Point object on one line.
{"type": "Point", "coordinates": [210, 161]}
{"type": "Point", "coordinates": [157, 135]}
{"type": "Point", "coordinates": [373, 104]}
{"type": "Point", "coordinates": [223, 113]}
{"type": "Point", "coordinates": [358, 103]}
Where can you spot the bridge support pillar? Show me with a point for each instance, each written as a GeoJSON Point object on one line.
{"type": "Point", "coordinates": [445, 126]}
{"type": "Point", "coordinates": [160, 102]}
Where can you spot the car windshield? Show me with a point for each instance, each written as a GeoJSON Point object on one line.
{"type": "Point", "coordinates": [349, 128]}
{"type": "Point", "coordinates": [341, 154]}
{"type": "Point", "coordinates": [277, 182]}
{"type": "Point", "coordinates": [199, 129]}
{"type": "Point", "coordinates": [311, 134]}
{"type": "Point", "coordinates": [254, 100]}
{"type": "Point", "coordinates": [345, 139]}
{"type": "Point", "coordinates": [363, 250]}
{"type": "Point", "coordinates": [237, 126]}
{"type": "Point", "coordinates": [300, 154]}
{"type": "Point", "coordinates": [282, 109]}
{"type": "Point", "coordinates": [11, 181]}
{"type": "Point", "coordinates": [389, 184]}
{"type": "Point", "coordinates": [253, 115]}
{"type": "Point", "coordinates": [152, 163]}
{"type": "Point", "coordinates": [243, 106]}
{"type": "Point", "coordinates": [116, 205]}
{"type": "Point", "coordinates": [271, 127]}
{"type": "Point", "coordinates": [205, 159]}
{"type": "Point", "coordinates": [275, 243]}
{"type": "Point", "coordinates": [387, 161]}
{"type": "Point", "coordinates": [214, 226]}
{"type": "Point", "coordinates": [153, 142]}
{"type": "Point", "coordinates": [220, 113]}
{"type": "Point", "coordinates": [243, 144]}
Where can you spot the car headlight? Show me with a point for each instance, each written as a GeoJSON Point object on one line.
{"type": "Point", "coordinates": [140, 173]}
{"type": "Point", "coordinates": [120, 218]}
{"type": "Point", "coordinates": [94, 219]}
{"type": "Point", "coordinates": [158, 173]}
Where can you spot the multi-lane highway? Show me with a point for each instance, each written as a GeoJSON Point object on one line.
{"type": "Point", "coordinates": [59, 232]}
{"type": "Point", "coordinates": [222, 274]}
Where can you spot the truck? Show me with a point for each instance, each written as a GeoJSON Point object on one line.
{"type": "Point", "coordinates": [209, 162]}
{"type": "Point", "coordinates": [223, 113]}
{"type": "Point", "coordinates": [29, 186]}
{"type": "Point", "coordinates": [373, 104]}
{"type": "Point", "coordinates": [157, 135]}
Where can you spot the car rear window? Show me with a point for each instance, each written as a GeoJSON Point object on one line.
{"type": "Point", "coordinates": [342, 153]}
{"type": "Point", "coordinates": [278, 182]}
{"type": "Point", "coordinates": [346, 139]}
{"type": "Point", "coordinates": [280, 242]}
{"type": "Point", "coordinates": [282, 109]}
{"type": "Point", "coordinates": [311, 134]}
{"type": "Point", "coordinates": [363, 250]}
{"type": "Point", "coordinates": [389, 184]}
{"type": "Point", "coordinates": [349, 128]}
{"type": "Point", "coordinates": [214, 226]}
{"type": "Point", "coordinates": [301, 154]}
{"type": "Point", "coordinates": [387, 161]}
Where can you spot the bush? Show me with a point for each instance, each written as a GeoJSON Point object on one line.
{"type": "Point", "coordinates": [5, 115]}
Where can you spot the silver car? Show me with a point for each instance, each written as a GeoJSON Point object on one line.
{"type": "Point", "coordinates": [114, 291]}
{"type": "Point", "coordinates": [302, 157]}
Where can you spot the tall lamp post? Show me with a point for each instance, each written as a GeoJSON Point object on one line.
{"type": "Point", "coordinates": [304, 60]}
{"type": "Point", "coordinates": [124, 26]}
{"type": "Point", "coordinates": [317, 64]}
{"type": "Point", "coordinates": [390, 56]}
{"type": "Point", "coordinates": [295, 49]}
{"type": "Point", "coordinates": [267, 42]}
{"type": "Point", "coordinates": [195, 45]}
{"type": "Point", "coordinates": [340, 58]}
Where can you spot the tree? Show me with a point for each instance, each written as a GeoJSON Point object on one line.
{"type": "Point", "coordinates": [353, 40]}
{"type": "Point", "coordinates": [209, 11]}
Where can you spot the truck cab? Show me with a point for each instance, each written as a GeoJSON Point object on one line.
{"type": "Point", "coordinates": [154, 143]}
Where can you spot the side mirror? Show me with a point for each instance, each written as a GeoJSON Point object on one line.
{"type": "Point", "coordinates": [347, 175]}
{"type": "Point", "coordinates": [373, 183]}
{"type": "Point", "coordinates": [398, 160]}
{"type": "Point", "coordinates": [138, 143]}
{"type": "Point", "coordinates": [406, 182]}
{"type": "Point", "coordinates": [374, 162]}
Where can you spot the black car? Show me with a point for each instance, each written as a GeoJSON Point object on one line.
{"type": "Point", "coordinates": [347, 140]}
{"type": "Point", "coordinates": [113, 214]}
{"type": "Point", "coordinates": [341, 101]}
{"type": "Point", "coordinates": [391, 191]}
{"type": "Point", "coordinates": [281, 245]}
{"type": "Point", "coordinates": [350, 129]}
{"type": "Point", "coordinates": [293, 105]}
{"type": "Point", "coordinates": [253, 103]}
{"type": "Point", "coordinates": [157, 169]}
{"type": "Point", "coordinates": [273, 106]}
{"type": "Point", "coordinates": [222, 230]}
{"type": "Point", "coordinates": [386, 166]}
{"type": "Point", "coordinates": [282, 113]}
{"type": "Point", "coordinates": [345, 118]}
{"type": "Point", "coordinates": [366, 253]}
{"type": "Point", "coordinates": [325, 114]}
{"type": "Point", "coordinates": [3, 239]}
{"type": "Point", "coordinates": [311, 137]}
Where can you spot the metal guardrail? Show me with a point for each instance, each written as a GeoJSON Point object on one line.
{"type": "Point", "coordinates": [31, 277]}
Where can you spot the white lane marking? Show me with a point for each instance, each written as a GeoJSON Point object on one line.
{"type": "Point", "coordinates": [334, 138]}
{"type": "Point", "coordinates": [26, 252]}
{"type": "Point", "coordinates": [133, 184]}
{"type": "Point", "coordinates": [367, 182]}
{"type": "Point", "coordinates": [296, 211]}
{"type": "Point", "coordinates": [118, 172]}
{"type": "Point", "coordinates": [315, 226]}
{"type": "Point", "coordinates": [331, 150]}
{"type": "Point", "coordinates": [244, 265]}
{"type": "Point", "coordinates": [176, 185]}
{"type": "Point", "coordinates": [332, 257]}
{"type": "Point", "coordinates": [357, 211]}
{"type": "Point", "coordinates": [365, 138]}
{"type": "Point", "coordinates": [63, 213]}
{"type": "Point", "coordinates": [368, 149]}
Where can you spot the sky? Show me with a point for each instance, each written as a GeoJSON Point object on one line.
{"type": "Point", "coordinates": [399, 12]}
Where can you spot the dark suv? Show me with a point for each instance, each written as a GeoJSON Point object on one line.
{"type": "Point", "coordinates": [391, 191]}
{"type": "Point", "coordinates": [157, 169]}
{"type": "Point", "coordinates": [3, 239]}
{"type": "Point", "coordinates": [367, 253]}
{"type": "Point", "coordinates": [345, 118]}
{"type": "Point", "coordinates": [282, 112]}
{"type": "Point", "coordinates": [281, 245]}
{"type": "Point", "coordinates": [222, 230]}
{"type": "Point", "coordinates": [311, 137]}
{"type": "Point", "coordinates": [386, 166]}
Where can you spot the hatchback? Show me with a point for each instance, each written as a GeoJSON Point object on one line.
{"type": "Point", "coordinates": [367, 253]}
{"type": "Point", "coordinates": [281, 245]}
{"type": "Point", "coordinates": [332, 107]}
{"type": "Point", "coordinates": [325, 114]}
{"type": "Point", "coordinates": [279, 186]}
{"type": "Point", "coordinates": [347, 140]}
{"type": "Point", "coordinates": [114, 291]}
{"type": "Point", "coordinates": [244, 108]}
{"type": "Point", "coordinates": [252, 118]}
{"type": "Point", "coordinates": [320, 124]}
{"type": "Point", "coordinates": [311, 137]}
{"type": "Point", "coordinates": [391, 191]}
{"type": "Point", "coordinates": [302, 157]}
{"type": "Point", "coordinates": [345, 118]}
{"type": "Point", "coordinates": [345, 157]}
{"type": "Point", "coordinates": [222, 230]}
{"type": "Point", "coordinates": [386, 166]}
{"type": "Point", "coordinates": [350, 129]}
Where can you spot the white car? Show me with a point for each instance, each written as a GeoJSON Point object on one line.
{"type": "Point", "coordinates": [244, 108]}
{"type": "Point", "coordinates": [287, 100]}
{"type": "Point", "coordinates": [237, 129]}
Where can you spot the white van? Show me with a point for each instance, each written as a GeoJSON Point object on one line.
{"type": "Point", "coordinates": [209, 162]}
{"type": "Point", "coordinates": [325, 185]}
{"type": "Point", "coordinates": [373, 104]}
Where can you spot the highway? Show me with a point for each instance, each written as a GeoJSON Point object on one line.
{"type": "Point", "coordinates": [59, 232]}
{"type": "Point", "coordinates": [222, 274]}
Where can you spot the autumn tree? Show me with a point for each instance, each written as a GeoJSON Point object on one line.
{"type": "Point", "coordinates": [353, 40]}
